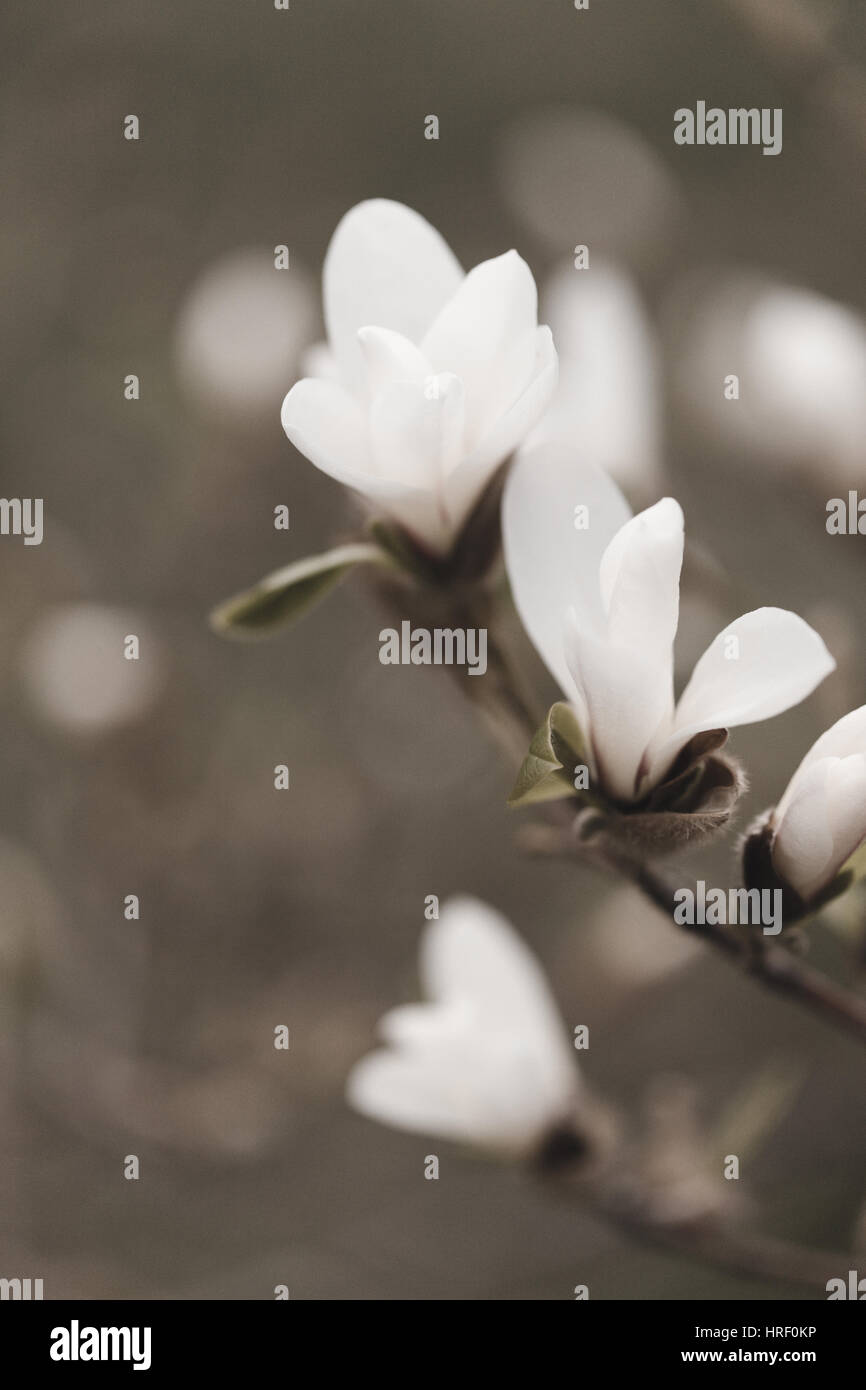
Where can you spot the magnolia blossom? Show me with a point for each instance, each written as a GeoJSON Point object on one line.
{"type": "Point", "coordinates": [821, 819]}
{"type": "Point", "coordinates": [598, 592]}
{"type": "Point", "coordinates": [431, 377]}
{"type": "Point", "coordinates": [487, 1061]}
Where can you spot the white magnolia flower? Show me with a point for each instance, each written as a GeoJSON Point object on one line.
{"type": "Point", "coordinates": [433, 376]}
{"type": "Point", "coordinates": [487, 1061]}
{"type": "Point", "coordinates": [821, 818]}
{"type": "Point", "coordinates": [601, 605]}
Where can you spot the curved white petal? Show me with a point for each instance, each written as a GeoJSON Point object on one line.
{"type": "Point", "coordinates": [465, 484]}
{"type": "Point", "coordinates": [406, 1091]}
{"type": "Point", "coordinates": [386, 266]}
{"type": "Point", "coordinates": [639, 576]}
{"type": "Point", "coordinates": [552, 565]}
{"type": "Point", "coordinates": [640, 583]}
{"type": "Point", "coordinates": [626, 694]}
{"type": "Point", "coordinates": [803, 845]}
{"type": "Point", "coordinates": [417, 1025]}
{"type": "Point", "coordinates": [473, 953]}
{"type": "Point", "coordinates": [486, 334]}
{"type": "Point", "coordinates": [389, 357]}
{"type": "Point", "coordinates": [773, 662]}
{"type": "Point", "coordinates": [416, 430]}
{"type": "Point", "coordinates": [329, 428]}
{"type": "Point", "coordinates": [823, 822]}
{"type": "Point", "coordinates": [846, 805]}
{"type": "Point", "coordinates": [846, 736]}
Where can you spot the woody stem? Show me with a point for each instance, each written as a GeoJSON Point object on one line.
{"type": "Point", "coordinates": [506, 712]}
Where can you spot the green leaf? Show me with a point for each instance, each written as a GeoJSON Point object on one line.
{"type": "Point", "coordinates": [548, 768]}
{"type": "Point", "coordinates": [282, 597]}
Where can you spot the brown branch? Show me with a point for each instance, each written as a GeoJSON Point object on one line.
{"type": "Point", "coordinates": [774, 966]}
{"type": "Point", "coordinates": [509, 718]}
{"type": "Point", "coordinates": [743, 1252]}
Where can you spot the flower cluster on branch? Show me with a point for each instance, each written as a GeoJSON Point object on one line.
{"type": "Point", "coordinates": [425, 402]}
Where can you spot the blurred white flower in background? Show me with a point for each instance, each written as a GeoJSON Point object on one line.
{"type": "Point", "coordinates": [573, 176]}
{"type": "Point", "coordinates": [601, 605]}
{"type": "Point", "coordinates": [433, 376]}
{"type": "Point", "coordinates": [801, 363]}
{"type": "Point", "coordinates": [241, 332]}
{"type": "Point", "coordinates": [608, 403]}
{"type": "Point", "coordinates": [821, 818]}
{"type": "Point", "coordinates": [73, 667]}
{"type": "Point", "coordinates": [487, 1062]}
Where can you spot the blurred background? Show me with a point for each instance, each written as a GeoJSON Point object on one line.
{"type": "Point", "coordinates": [258, 908]}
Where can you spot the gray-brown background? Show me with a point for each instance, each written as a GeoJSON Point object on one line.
{"type": "Point", "coordinates": [155, 1038]}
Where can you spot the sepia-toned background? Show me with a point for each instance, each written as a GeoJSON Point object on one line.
{"type": "Point", "coordinates": [155, 778]}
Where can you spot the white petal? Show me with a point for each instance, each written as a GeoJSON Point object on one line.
{"type": "Point", "coordinates": [803, 845]}
{"type": "Point", "coordinates": [486, 334]}
{"type": "Point", "coordinates": [415, 1025]}
{"type": "Point", "coordinates": [329, 428]}
{"type": "Point", "coordinates": [779, 661]}
{"type": "Point", "coordinates": [639, 577]}
{"type": "Point", "coordinates": [403, 1090]}
{"type": "Point", "coordinates": [389, 357]}
{"type": "Point", "coordinates": [466, 483]}
{"type": "Point", "coordinates": [846, 805]}
{"type": "Point", "coordinates": [472, 953]}
{"type": "Point", "coordinates": [626, 693]}
{"type": "Point", "coordinates": [416, 430]}
{"type": "Point", "coordinates": [551, 565]}
{"type": "Point", "coordinates": [385, 266]}
{"type": "Point", "coordinates": [846, 736]}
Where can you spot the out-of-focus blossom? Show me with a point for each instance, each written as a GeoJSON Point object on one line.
{"type": "Point", "coordinates": [607, 405]}
{"type": "Point", "coordinates": [598, 592]}
{"type": "Point", "coordinates": [74, 667]}
{"type": "Point", "coordinates": [241, 332]}
{"type": "Point", "coordinates": [821, 818]}
{"type": "Point", "coordinates": [579, 176]}
{"type": "Point", "coordinates": [432, 377]}
{"type": "Point", "coordinates": [800, 360]}
{"type": "Point", "coordinates": [487, 1061]}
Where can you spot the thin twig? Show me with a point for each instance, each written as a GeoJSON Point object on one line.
{"type": "Point", "coordinates": [744, 1252]}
